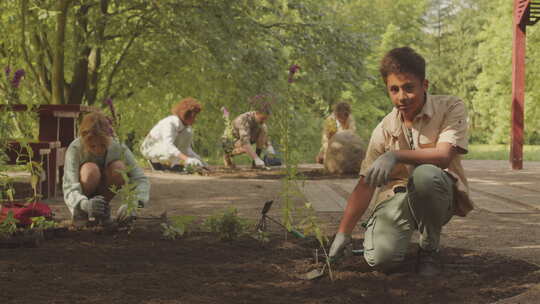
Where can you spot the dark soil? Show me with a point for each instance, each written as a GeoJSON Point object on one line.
{"type": "Point", "coordinates": [140, 267]}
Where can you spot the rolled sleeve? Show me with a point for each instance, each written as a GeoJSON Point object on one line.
{"type": "Point", "coordinates": [71, 186]}
{"type": "Point", "coordinates": [169, 132]}
{"type": "Point", "coordinates": [136, 175]}
{"type": "Point", "coordinates": [454, 126]}
{"type": "Point", "coordinates": [375, 149]}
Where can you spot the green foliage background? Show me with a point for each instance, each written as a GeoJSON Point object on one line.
{"type": "Point", "coordinates": [154, 53]}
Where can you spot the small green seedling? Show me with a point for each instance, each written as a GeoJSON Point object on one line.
{"type": "Point", "coordinates": [9, 225]}
{"type": "Point", "coordinates": [227, 225]}
{"type": "Point", "coordinates": [41, 223]}
{"type": "Point", "coordinates": [177, 226]}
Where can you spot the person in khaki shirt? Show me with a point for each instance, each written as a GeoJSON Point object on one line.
{"type": "Point", "coordinates": [247, 129]}
{"type": "Point", "coordinates": [340, 120]}
{"type": "Point", "coordinates": [414, 159]}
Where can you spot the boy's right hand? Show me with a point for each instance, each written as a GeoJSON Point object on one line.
{"type": "Point", "coordinates": [194, 162]}
{"type": "Point", "coordinates": [259, 162]}
{"type": "Point", "coordinates": [341, 241]}
{"type": "Point", "coordinates": [95, 206]}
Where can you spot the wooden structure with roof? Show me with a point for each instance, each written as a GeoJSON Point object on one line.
{"type": "Point", "coordinates": [526, 13]}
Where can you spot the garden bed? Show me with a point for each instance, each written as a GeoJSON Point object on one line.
{"type": "Point", "coordinates": [140, 267]}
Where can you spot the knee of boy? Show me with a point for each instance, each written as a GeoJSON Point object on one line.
{"type": "Point", "coordinates": [383, 260]}
{"type": "Point", "coordinates": [115, 168]}
{"type": "Point", "coordinates": [423, 178]}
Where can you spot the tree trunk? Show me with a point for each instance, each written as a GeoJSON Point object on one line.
{"type": "Point", "coordinates": [58, 60]}
{"type": "Point", "coordinates": [94, 59]}
{"type": "Point", "coordinates": [80, 71]}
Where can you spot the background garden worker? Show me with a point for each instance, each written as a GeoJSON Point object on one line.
{"type": "Point", "coordinates": [92, 166]}
{"type": "Point", "coordinates": [414, 157]}
{"type": "Point", "coordinates": [247, 129]}
{"type": "Point", "coordinates": [169, 143]}
{"type": "Point", "coordinates": [341, 119]}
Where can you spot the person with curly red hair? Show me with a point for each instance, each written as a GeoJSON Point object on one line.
{"type": "Point", "coordinates": [168, 145]}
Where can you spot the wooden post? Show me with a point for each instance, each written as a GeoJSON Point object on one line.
{"type": "Point", "coordinates": [518, 87]}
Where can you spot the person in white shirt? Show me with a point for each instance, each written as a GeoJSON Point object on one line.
{"type": "Point", "coordinates": [169, 144]}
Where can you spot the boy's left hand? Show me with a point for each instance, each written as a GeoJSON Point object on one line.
{"type": "Point", "coordinates": [379, 172]}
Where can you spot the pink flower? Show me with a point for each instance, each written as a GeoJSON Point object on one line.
{"type": "Point", "coordinates": [225, 112]}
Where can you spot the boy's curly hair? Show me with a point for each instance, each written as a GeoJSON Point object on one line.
{"type": "Point", "coordinates": [403, 60]}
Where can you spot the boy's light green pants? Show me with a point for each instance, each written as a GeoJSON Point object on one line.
{"type": "Point", "coordinates": [426, 206]}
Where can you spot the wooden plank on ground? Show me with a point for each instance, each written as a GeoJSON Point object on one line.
{"type": "Point", "coordinates": [495, 205]}
{"type": "Point", "coordinates": [322, 197]}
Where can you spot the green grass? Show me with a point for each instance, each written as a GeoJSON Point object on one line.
{"type": "Point", "coordinates": [501, 152]}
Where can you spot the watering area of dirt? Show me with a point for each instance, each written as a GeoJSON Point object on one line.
{"type": "Point", "coordinates": [490, 256]}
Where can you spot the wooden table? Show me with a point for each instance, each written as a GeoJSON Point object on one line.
{"type": "Point", "coordinates": [57, 129]}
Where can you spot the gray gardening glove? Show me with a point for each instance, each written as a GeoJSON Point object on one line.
{"type": "Point", "coordinates": [123, 216]}
{"type": "Point", "coordinates": [95, 207]}
{"type": "Point", "coordinates": [338, 246]}
{"type": "Point", "coordinates": [379, 172]}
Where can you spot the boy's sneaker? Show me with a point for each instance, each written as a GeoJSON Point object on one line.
{"type": "Point", "coordinates": [227, 161]}
{"type": "Point", "coordinates": [428, 263]}
{"type": "Point", "coordinates": [156, 166]}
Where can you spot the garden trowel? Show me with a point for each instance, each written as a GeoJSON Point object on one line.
{"type": "Point", "coordinates": [315, 273]}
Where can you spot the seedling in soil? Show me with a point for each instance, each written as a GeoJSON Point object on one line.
{"type": "Point", "coordinates": [177, 226]}
{"type": "Point", "coordinates": [8, 226]}
{"type": "Point", "coordinates": [227, 225]}
{"type": "Point", "coordinates": [40, 222]}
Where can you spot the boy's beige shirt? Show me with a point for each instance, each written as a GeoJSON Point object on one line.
{"type": "Point", "coordinates": [442, 119]}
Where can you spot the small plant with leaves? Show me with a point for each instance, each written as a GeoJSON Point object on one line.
{"type": "Point", "coordinates": [227, 225]}
{"type": "Point", "coordinates": [177, 226]}
{"type": "Point", "coordinates": [262, 236]}
{"type": "Point", "coordinates": [42, 223]}
{"type": "Point", "coordinates": [8, 226]}
{"type": "Point", "coordinates": [311, 226]}
{"type": "Point", "coordinates": [127, 193]}
{"type": "Point", "coordinates": [33, 167]}
{"type": "Point", "coordinates": [7, 192]}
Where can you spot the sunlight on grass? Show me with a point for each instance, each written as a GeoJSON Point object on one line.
{"type": "Point", "coordinates": [501, 152]}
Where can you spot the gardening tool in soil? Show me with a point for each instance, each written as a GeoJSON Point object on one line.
{"type": "Point", "coordinates": [262, 225]}
{"type": "Point", "coordinates": [320, 272]}
{"type": "Point", "coordinates": [315, 273]}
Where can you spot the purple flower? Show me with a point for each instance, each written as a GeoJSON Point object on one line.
{"type": "Point", "coordinates": [225, 112]}
{"type": "Point", "coordinates": [19, 74]}
{"type": "Point", "coordinates": [292, 70]}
